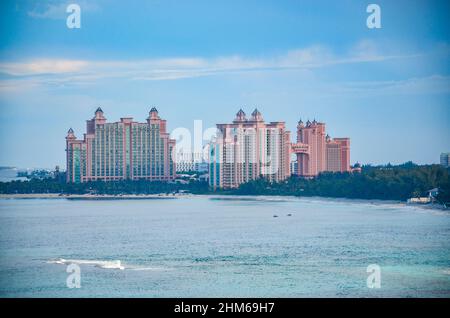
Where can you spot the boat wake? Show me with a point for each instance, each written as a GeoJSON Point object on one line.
{"type": "Point", "coordinates": [115, 264]}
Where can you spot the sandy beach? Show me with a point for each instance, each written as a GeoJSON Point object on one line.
{"type": "Point", "coordinates": [88, 196]}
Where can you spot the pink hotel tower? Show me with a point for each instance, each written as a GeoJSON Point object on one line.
{"type": "Point", "coordinates": [250, 148]}
{"type": "Point", "coordinates": [121, 150]}
{"type": "Point", "coordinates": [317, 152]}
{"type": "Point", "coordinates": [247, 149]}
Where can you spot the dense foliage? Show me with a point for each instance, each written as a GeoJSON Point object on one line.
{"type": "Point", "coordinates": [385, 183]}
{"type": "Point", "coordinates": [374, 182]}
{"type": "Point", "coordinates": [100, 187]}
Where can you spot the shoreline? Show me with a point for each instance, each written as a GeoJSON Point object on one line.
{"type": "Point", "coordinates": [225, 197]}
{"type": "Point", "coordinates": [21, 196]}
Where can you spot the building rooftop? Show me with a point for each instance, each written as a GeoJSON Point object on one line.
{"type": "Point", "coordinates": [256, 115]}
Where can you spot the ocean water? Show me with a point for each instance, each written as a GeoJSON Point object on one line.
{"type": "Point", "coordinates": [222, 247]}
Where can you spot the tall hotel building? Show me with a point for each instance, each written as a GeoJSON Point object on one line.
{"type": "Point", "coordinates": [121, 150]}
{"type": "Point", "coordinates": [248, 149]}
{"type": "Point", "coordinates": [317, 152]}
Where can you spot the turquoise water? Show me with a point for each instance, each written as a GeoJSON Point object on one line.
{"type": "Point", "coordinates": [205, 247]}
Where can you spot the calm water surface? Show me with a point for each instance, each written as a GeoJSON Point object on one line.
{"type": "Point", "coordinates": [205, 247]}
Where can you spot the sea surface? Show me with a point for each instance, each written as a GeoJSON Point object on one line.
{"type": "Point", "coordinates": [222, 247]}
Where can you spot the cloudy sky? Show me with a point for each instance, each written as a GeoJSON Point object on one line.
{"type": "Point", "coordinates": [387, 89]}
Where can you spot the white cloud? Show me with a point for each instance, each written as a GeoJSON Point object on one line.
{"type": "Point", "coordinates": [53, 73]}
{"type": "Point", "coordinates": [57, 10]}
{"type": "Point", "coordinates": [416, 85]}
{"type": "Point", "coordinates": [49, 11]}
{"type": "Point", "coordinates": [185, 67]}
{"type": "Point", "coordinates": [43, 66]}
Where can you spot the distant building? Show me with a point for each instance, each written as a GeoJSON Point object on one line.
{"type": "Point", "coordinates": [430, 198]}
{"type": "Point", "coordinates": [445, 159]}
{"type": "Point", "coordinates": [420, 200]}
{"type": "Point", "coordinates": [121, 150]}
{"type": "Point", "coordinates": [39, 174]}
{"type": "Point", "coordinates": [8, 174]}
{"type": "Point", "coordinates": [356, 168]}
{"type": "Point", "coordinates": [317, 152]}
{"type": "Point", "coordinates": [433, 193]}
{"type": "Point", "coordinates": [248, 149]}
{"type": "Point", "coordinates": [188, 162]}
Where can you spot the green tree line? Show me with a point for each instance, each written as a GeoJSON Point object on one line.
{"type": "Point", "coordinates": [100, 187]}
{"type": "Point", "coordinates": [382, 182]}
{"type": "Point", "coordinates": [386, 182]}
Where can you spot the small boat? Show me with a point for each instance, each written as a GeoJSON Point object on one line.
{"type": "Point", "coordinates": [275, 216]}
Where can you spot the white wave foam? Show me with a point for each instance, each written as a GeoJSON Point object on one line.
{"type": "Point", "coordinates": [106, 264]}
{"type": "Point", "coordinates": [116, 264]}
{"type": "Point", "coordinates": [148, 269]}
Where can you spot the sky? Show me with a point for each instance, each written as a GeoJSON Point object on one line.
{"type": "Point", "coordinates": [387, 89]}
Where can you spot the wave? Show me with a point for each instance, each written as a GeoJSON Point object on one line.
{"type": "Point", "coordinates": [116, 264]}
{"type": "Point", "coordinates": [137, 268]}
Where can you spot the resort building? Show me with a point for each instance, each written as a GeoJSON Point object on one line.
{"type": "Point", "coordinates": [247, 149]}
{"type": "Point", "coordinates": [338, 154]}
{"type": "Point", "coordinates": [121, 150]}
{"type": "Point", "coordinates": [317, 152]}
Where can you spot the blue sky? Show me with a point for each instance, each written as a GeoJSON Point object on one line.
{"type": "Point", "coordinates": [387, 89]}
